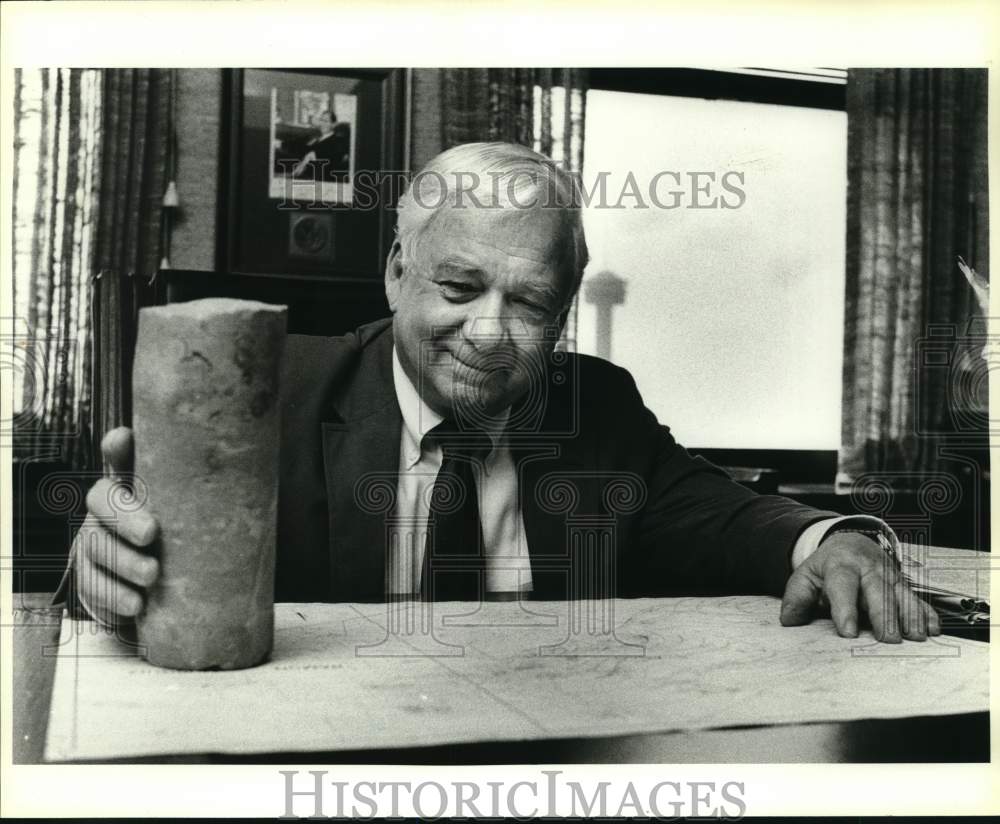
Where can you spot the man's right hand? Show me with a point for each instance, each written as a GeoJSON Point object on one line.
{"type": "Point", "coordinates": [112, 565]}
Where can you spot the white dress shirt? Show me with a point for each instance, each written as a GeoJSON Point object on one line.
{"type": "Point", "coordinates": [505, 547]}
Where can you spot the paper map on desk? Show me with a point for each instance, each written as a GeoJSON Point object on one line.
{"type": "Point", "coordinates": [338, 680]}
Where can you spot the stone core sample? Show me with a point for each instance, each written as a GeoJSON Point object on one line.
{"type": "Point", "coordinates": [206, 425]}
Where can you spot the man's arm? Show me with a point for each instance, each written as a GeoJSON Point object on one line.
{"type": "Point", "coordinates": [702, 532]}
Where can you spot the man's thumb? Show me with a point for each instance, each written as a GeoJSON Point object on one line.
{"type": "Point", "coordinates": [801, 596]}
{"type": "Point", "coordinates": [116, 447]}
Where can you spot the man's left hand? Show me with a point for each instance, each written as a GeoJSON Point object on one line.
{"type": "Point", "coordinates": [850, 571]}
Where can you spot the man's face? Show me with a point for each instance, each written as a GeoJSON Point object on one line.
{"type": "Point", "coordinates": [476, 309]}
{"type": "Point", "coordinates": [323, 121]}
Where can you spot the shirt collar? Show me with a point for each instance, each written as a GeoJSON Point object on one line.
{"type": "Point", "coordinates": [419, 418]}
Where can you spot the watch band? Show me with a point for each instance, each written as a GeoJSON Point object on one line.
{"type": "Point", "coordinates": [879, 536]}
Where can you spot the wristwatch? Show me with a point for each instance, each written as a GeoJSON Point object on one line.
{"type": "Point", "coordinates": [883, 538]}
{"type": "Point", "coordinates": [961, 614]}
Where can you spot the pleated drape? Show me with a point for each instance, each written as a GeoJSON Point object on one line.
{"type": "Point", "coordinates": [135, 133]}
{"type": "Point", "coordinates": [541, 108]}
{"type": "Point", "coordinates": [917, 200]}
{"type": "Point", "coordinates": [55, 200]}
{"type": "Point", "coordinates": [89, 176]}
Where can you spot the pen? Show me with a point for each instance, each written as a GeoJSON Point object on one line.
{"type": "Point", "coordinates": [961, 615]}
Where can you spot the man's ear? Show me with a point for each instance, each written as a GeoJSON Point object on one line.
{"type": "Point", "coordinates": [563, 317]}
{"type": "Point", "coordinates": [393, 275]}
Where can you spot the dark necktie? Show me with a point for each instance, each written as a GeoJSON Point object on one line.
{"type": "Point", "coordinates": [453, 567]}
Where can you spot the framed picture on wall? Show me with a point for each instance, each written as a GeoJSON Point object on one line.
{"type": "Point", "coordinates": [314, 161]}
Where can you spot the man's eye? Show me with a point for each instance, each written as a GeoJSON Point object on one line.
{"type": "Point", "coordinates": [457, 288]}
{"type": "Point", "coordinates": [533, 307]}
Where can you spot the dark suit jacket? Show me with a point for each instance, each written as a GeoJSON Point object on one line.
{"type": "Point", "coordinates": [591, 460]}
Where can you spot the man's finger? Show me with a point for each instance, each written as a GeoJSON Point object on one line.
{"type": "Point", "coordinates": [842, 591]}
{"type": "Point", "coordinates": [933, 619]}
{"type": "Point", "coordinates": [107, 595]}
{"type": "Point", "coordinates": [799, 601]}
{"type": "Point", "coordinates": [116, 447]}
{"type": "Point", "coordinates": [912, 615]}
{"type": "Point", "coordinates": [137, 527]}
{"type": "Point", "coordinates": [106, 551]}
{"type": "Point", "coordinates": [880, 604]}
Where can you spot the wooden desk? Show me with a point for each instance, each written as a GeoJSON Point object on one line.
{"type": "Point", "coordinates": [949, 738]}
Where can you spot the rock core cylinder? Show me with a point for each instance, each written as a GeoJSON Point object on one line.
{"type": "Point", "coordinates": [207, 433]}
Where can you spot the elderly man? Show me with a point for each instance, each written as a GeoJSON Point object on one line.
{"type": "Point", "coordinates": [459, 412]}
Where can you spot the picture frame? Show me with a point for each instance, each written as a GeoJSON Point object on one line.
{"type": "Point", "coordinates": [314, 161]}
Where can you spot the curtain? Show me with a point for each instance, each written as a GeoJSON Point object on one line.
{"type": "Point", "coordinates": [917, 200]}
{"type": "Point", "coordinates": [135, 135]}
{"type": "Point", "coordinates": [90, 160]}
{"type": "Point", "coordinates": [56, 174]}
{"type": "Point", "coordinates": [541, 108]}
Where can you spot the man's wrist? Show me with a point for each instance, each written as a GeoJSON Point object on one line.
{"type": "Point", "coordinates": [881, 537]}
{"type": "Point", "coordinates": [816, 534]}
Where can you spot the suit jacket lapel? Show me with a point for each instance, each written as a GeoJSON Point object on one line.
{"type": "Point", "coordinates": [361, 461]}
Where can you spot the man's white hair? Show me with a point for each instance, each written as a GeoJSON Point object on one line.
{"type": "Point", "coordinates": [492, 175]}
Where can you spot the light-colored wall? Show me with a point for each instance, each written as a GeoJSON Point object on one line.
{"type": "Point", "coordinates": [199, 119]}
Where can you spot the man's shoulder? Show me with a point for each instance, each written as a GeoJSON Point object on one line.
{"type": "Point", "coordinates": [597, 368]}
{"type": "Point", "coordinates": [597, 379]}
{"type": "Point", "coordinates": [598, 395]}
{"type": "Point", "coordinates": [310, 351]}
{"type": "Point", "coordinates": [317, 363]}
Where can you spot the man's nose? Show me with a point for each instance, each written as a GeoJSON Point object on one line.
{"type": "Point", "coordinates": [491, 324]}
{"type": "Point", "coordinates": [484, 331]}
